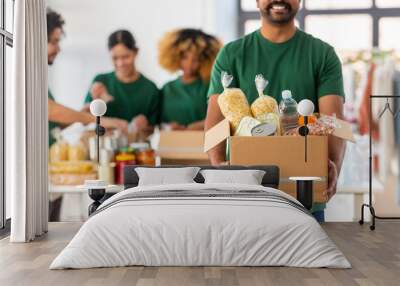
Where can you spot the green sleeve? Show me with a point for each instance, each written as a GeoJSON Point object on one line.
{"type": "Point", "coordinates": [88, 97]}
{"type": "Point", "coordinates": [330, 77]}
{"type": "Point", "coordinates": [221, 64]}
{"type": "Point", "coordinates": [154, 115]}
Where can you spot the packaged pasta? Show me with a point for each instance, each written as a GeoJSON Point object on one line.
{"type": "Point", "coordinates": [232, 102]}
{"type": "Point", "coordinates": [77, 152]}
{"type": "Point", "coordinates": [264, 104]}
{"type": "Point", "coordinates": [59, 149]}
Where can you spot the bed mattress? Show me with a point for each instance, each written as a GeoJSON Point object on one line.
{"type": "Point", "coordinates": [201, 225]}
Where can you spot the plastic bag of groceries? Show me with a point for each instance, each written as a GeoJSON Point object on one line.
{"type": "Point", "coordinates": [264, 104]}
{"type": "Point", "coordinates": [232, 102]}
{"type": "Point", "coordinates": [320, 126]}
{"type": "Point", "coordinates": [58, 150]}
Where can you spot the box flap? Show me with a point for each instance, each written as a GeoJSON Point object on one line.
{"type": "Point", "coordinates": [216, 135]}
{"type": "Point", "coordinates": [344, 131]}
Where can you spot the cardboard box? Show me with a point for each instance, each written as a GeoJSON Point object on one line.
{"type": "Point", "coordinates": [286, 152]}
{"type": "Point", "coordinates": [182, 148]}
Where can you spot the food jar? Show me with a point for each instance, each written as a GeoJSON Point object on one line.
{"type": "Point", "coordinates": [124, 158]}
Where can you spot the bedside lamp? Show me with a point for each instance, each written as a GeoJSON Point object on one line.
{"type": "Point", "coordinates": [98, 108]}
{"type": "Point", "coordinates": [304, 185]}
{"type": "Point", "coordinates": [305, 108]}
{"type": "Point", "coordinates": [97, 188]}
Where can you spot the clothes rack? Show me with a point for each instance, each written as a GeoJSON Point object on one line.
{"type": "Point", "coordinates": [370, 205]}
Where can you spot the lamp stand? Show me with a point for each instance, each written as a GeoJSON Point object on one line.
{"type": "Point", "coordinates": [96, 194]}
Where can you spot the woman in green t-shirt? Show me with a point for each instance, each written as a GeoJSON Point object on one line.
{"type": "Point", "coordinates": [128, 93]}
{"type": "Point", "coordinates": [184, 100]}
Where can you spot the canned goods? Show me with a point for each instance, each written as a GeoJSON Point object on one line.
{"type": "Point", "coordinates": [264, 129]}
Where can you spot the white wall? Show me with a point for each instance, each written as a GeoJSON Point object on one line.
{"type": "Point", "coordinates": [88, 24]}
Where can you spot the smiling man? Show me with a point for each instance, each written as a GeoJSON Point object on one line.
{"type": "Point", "coordinates": [290, 59]}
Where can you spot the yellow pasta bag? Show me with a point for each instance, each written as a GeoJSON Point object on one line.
{"type": "Point", "coordinates": [232, 102]}
{"type": "Point", "coordinates": [273, 118]}
{"type": "Point", "coordinates": [59, 149]}
{"type": "Point", "coordinates": [264, 104]}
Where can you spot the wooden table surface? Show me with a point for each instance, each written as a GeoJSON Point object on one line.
{"type": "Point", "coordinates": [375, 257]}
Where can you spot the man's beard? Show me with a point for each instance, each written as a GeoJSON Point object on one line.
{"type": "Point", "coordinates": [283, 19]}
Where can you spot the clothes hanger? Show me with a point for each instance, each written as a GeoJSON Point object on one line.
{"type": "Point", "coordinates": [387, 107]}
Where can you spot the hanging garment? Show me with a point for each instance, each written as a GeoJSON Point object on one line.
{"type": "Point", "coordinates": [363, 115]}
{"type": "Point", "coordinates": [383, 85]}
{"type": "Point", "coordinates": [396, 91]}
{"type": "Point", "coordinates": [349, 83]}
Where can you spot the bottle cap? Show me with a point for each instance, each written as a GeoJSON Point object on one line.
{"type": "Point", "coordinates": [286, 94]}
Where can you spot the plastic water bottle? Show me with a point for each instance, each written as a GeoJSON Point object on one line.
{"type": "Point", "coordinates": [288, 112]}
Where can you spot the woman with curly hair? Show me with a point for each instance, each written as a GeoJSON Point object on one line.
{"type": "Point", "coordinates": [191, 51]}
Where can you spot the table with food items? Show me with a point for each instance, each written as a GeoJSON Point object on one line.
{"type": "Point", "coordinates": [72, 161]}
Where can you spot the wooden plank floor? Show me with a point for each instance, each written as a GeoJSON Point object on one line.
{"type": "Point", "coordinates": [375, 257]}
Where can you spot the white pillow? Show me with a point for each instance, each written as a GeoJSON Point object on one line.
{"type": "Point", "coordinates": [166, 176]}
{"type": "Point", "coordinates": [246, 177]}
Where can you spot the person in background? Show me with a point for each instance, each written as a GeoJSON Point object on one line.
{"type": "Point", "coordinates": [128, 93]}
{"type": "Point", "coordinates": [290, 59]}
{"type": "Point", "coordinates": [184, 104]}
{"type": "Point", "coordinates": [58, 114]}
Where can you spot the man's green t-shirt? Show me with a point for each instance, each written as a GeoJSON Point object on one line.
{"type": "Point", "coordinates": [305, 65]}
{"type": "Point", "coordinates": [52, 124]}
{"type": "Point", "coordinates": [184, 103]}
{"type": "Point", "coordinates": [130, 99]}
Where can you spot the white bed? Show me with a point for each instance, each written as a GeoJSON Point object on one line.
{"type": "Point", "coordinates": [246, 225]}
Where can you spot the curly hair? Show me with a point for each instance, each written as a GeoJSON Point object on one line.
{"type": "Point", "coordinates": [175, 43]}
{"type": "Point", "coordinates": [54, 21]}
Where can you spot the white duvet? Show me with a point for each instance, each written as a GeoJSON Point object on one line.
{"type": "Point", "coordinates": [204, 231]}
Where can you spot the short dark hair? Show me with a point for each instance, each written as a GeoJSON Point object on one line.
{"type": "Point", "coordinates": [54, 21]}
{"type": "Point", "coordinates": [122, 37]}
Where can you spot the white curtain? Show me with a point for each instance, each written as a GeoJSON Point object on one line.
{"type": "Point", "coordinates": [27, 123]}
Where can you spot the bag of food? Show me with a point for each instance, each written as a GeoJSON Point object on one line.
{"type": "Point", "coordinates": [273, 118]}
{"type": "Point", "coordinates": [58, 150]}
{"type": "Point", "coordinates": [232, 102]}
{"type": "Point", "coordinates": [325, 125]}
{"type": "Point", "coordinates": [77, 150]}
{"type": "Point", "coordinates": [264, 104]}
